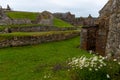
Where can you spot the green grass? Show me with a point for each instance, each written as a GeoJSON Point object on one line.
{"type": "Point", "coordinates": [34, 62]}
{"type": "Point", "coordinates": [22, 15]}
{"type": "Point", "coordinates": [32, 16]}
{"type": "Point", "coordinates": [61, 23]}
{"type": "Point", "coordinates": [23, 34]}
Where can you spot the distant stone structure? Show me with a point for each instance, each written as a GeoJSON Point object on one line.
{"type": "Point", "coordinates": [45, 18]}
{"type": "Point", "coordinates": [3, 17]}
{"type": "Point", "coordinates": [80, 21]}
{"type": "Point", "coordinates": [8, 8]}
{"type": "Point", "coordinates": [5, 20]}
{"type": "Point", "coordinates": [88, 21]}
{"type": "Point", "coordinates": [107, 32]}
{"type": "Point", "coordinates": [68, 17]}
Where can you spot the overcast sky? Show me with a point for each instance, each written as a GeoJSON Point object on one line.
{"type": "Point", "coordinates": [77, 7]}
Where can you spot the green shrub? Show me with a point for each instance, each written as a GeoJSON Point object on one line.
{"type": "Point", "coordinates": [94, 68]}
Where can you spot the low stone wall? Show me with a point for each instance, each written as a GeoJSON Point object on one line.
{"type": "Point", "coordinates": [35, 39]}
{"type": "Point", "coordinates": [39, 28]}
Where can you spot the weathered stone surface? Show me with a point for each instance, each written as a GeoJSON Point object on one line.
{"type": "Point", "coordinates": [88, 21]}
{"type": "Point", "coordinates": [45, 18]}
{"type": "Point", "coordinates": [4, 20]}
{"type": "Point", "coordinates": [20, 21]}
{"type": "Point", "coordinates": [88, 38]}
{"type": "Point", "coordinates": [108, 33]}
{"type": "Point", "coordinates": [37, 29]}
{"type": "Point", "coordinates": [113, 39]}
{"type": "Point", "coordinates": [31, 40]}
{"type": "Point", "coordinates": [68, 17]}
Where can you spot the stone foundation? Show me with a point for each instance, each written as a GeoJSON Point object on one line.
{"type": "Point", "coordinates": [36, 39]}
{"type": "Point", "coordinates": [39, 29]}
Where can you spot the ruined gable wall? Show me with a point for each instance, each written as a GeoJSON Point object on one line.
{"type": "Point", "coordinates": [102, 33]}
{"type": "Point", "coordinates": [45, 18]}
{"type": "Point", "coordinates": [68, 17]}
{"type": "Point", "coordinates": [113, 39]}
{"type": "Point", "coordinates": [108, 40]}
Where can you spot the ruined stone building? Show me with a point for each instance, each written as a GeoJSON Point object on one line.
{"type": "Point", "coordinates": [79, 21]}
{"type": "Point", "coordinates": [45, 18]}
{"type": "Point", "coordinates": [3, 17]}
{"type": "Point", "coordinates": [68, 17]}
{"type": "Point", "coordinates": [85, 21]}
{"type": "Point", "coordinates": [104, 38]}
{"type": "Point", "coordinates": [7, 9]}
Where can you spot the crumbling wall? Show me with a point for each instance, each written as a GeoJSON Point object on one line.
{"type": "Point", "coordinates": [35, 39]}
{"type": "Point", "coordinates": [108, 40]}
{"type": "Point", "coordinates": [113, 39]}
{"type": "Point", "coordinates": [86, 21]}
{"type": "Point", "coordinates": [45, 18]}
{"type": "Point", "coordinates": [68, 17]}
{"type": "Point", "coordinates": [37, 29]}
{"type": "Point", "coordinates": [88, 38]}
{"type": "Point", "coordinates": [4, 20]}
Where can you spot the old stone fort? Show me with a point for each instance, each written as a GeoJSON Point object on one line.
{"type": "Point", "coordinates": [101, 34]}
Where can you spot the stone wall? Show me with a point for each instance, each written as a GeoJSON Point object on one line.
{"type": "Point", "coordinates": [108, 33]}
{"type": "Point", "coordinates": [108, 36]}
{"type": "Point", "coordinates": [30, 40]}
{"type": "Point", "coordinates": [102, 34]}
{"type": "Point", "coordinates": [113, 38]}
{"type": "Point", "coordinates": [3, 17]}
{"type": "Point", "coordinates": [88, 38]}
{"type": "Point", "coordinates": [85, 21]}
{"type": "Point", "coordinates": [45, 18]}
{"type": "Point", "coordinates": [20, 21]}
{"type": "Point", "coordinates": [38, 29]}
{"type": "Point", "coordinates": [68, 17]}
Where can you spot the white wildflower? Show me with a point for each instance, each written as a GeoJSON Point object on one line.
{"type": "Point", "coordinates": [90, 69]}
{"type": "Point", "coordinates": [106, 57]}
{"type": "Point", "coordinates": [114, 59]}
{"type": "Point", "coordinates": [96, 69]}
{"type": "Point", "coordinates": [90, 51]}
{"type": "Point", "coordinates": [119, 63]}
{"type": "Point", "coordinates": [45, 76]}
{"type": "Point", "coordinates": [108, 76]}
{"type": "Point", "coordinates": [100, 56]}
{"type": "Point", "coordinates": [95, 58]}
{"type": "Point", "coordinates": [101, 65]}
{"type": "Point", "coordinates": [82, 62]}
{"type": "Point", "coordinates": [110, 67]}
{"type": "Point", "coordinates": [104, 64]}
{"type": "Point", "coordinates": [68, 69]}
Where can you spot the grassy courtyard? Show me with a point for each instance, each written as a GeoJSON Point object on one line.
{"type": "Point", "coordinates": [39, 61]}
